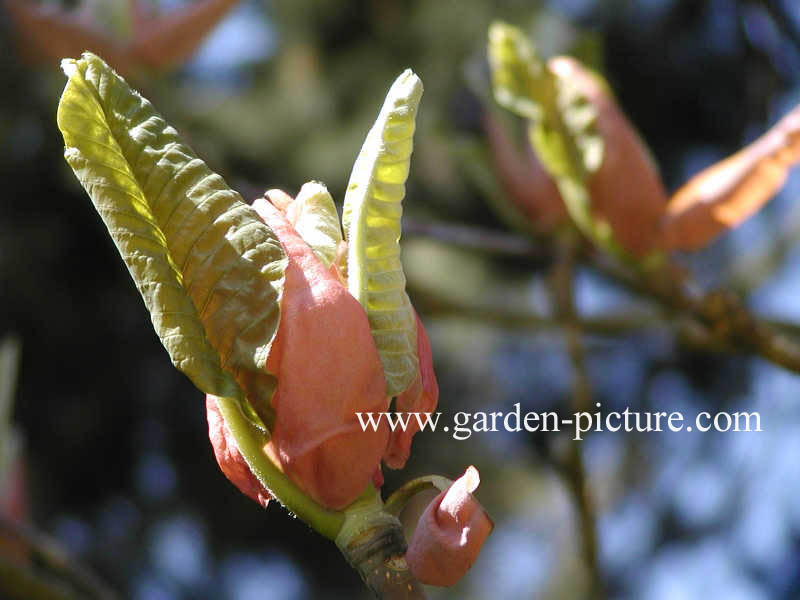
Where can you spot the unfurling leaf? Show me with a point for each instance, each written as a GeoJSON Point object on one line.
{"type": "Point", "coordinates": [603, 171]}
{"type": "Point", "coordinates": [561, 122]}
{"type": "Point", "coordinates": [372, 213]}
{"type": "Point", "coordinates": [209, 270]}
{"type": "Point", "coordinates": [725, 194]}
{"type": "Point", "coordinates": [314, 217]}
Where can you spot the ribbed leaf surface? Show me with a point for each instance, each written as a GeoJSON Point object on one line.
{"type": "Point", "coordinates": [372, 212]}
{"type": "Point", "coordinates": [209, 270]}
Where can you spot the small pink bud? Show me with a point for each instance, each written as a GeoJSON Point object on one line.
{"type": "Point", "coordinates": [449, 534]}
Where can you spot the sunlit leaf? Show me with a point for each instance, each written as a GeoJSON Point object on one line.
{"type": "Point", "coordinates": [209, 270]}
{"type": "Point", "coordinates": [372, 212]}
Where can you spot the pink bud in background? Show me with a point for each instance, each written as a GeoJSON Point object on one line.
{"type": "Point", "coordinates": [449, 534]}
{"type": "Point", "coordinates": [523, 178]}
{"type": "Point", "coordinates": [722, 196]}
{"type": "Point", "coordinates": [626, 190]}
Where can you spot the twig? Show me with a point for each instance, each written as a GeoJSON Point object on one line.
{"type": "Point", "coordinates": [721, 315]}
{"type": "Point", "coordinates": [562, 278]}
{"type": "Point", "coordinates": [56, 562]}
{"type": "Point", "coordinates": [18, 582]}
{"type": "Point", "coordinates": [708, 323]}
{"type": "Point", "coordinates": [477, 238]}
{"type": "Point", "coordinates": [635, 321]}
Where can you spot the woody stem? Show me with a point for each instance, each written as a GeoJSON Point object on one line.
{"type": "Point", "coordinates": [373, 543]}
{"type": "Point", "coordinates": [562, 279]}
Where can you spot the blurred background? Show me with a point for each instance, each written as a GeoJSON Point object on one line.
{"type": "Point", "coordinates": [118, 468]}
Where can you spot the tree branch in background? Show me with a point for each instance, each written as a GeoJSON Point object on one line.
{"type": "Point", "coordinates": [55, 570]}
{"type": "Point", "coordinates": [713, 321]}
{"type": "Point", "coordinates": [562, 279]}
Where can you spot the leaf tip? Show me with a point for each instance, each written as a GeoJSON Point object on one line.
{"type": "Point", "coordinates": [69, 66]}
{"type": "Point", "coordinates": [407, 88]}
{"type": "Point", "coordinates": [311, 189]}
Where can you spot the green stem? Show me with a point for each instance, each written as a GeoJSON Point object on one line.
{"type": "Point", "coordinates": [397, 501]}
{"type": "Point", "coordinates": [250, 441]}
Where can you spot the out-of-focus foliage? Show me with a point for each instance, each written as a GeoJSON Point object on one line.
{"type": "Point", "coordinates": [132, 35]}
{"type": "Point", "coordinates": [188, 239]}
{"type": "Point", "coordinates": [290, 96]}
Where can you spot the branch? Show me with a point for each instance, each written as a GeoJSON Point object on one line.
{"type": "Point", "coordinates": [562, 279]}
{"type": "Point", "coordinates": [718, 321]}
{"type": "Point", "coordinates": [18, 582]}
{"type": "Point", "coordinates": [55, 562]}
{"type": "Point", "coordinates": [476, 238]}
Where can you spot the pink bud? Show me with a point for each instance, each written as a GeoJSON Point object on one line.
{"type": "Point", "coordinates": [449, 534]}
{"type": "Point", "coordinates": [524, 179]}
{"type": "Point", "coordinates": [328, 369]}
{"type": "Point", "coordinates": [626, 191]}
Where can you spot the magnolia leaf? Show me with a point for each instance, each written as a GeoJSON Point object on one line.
{"type": "Point", "coordinates": [316, 220]}
{"type": "Point", "coordinates": [209, 270]}
{"type": "Point", "coordinates": [722, 196]}
{"type": "Point", "coordinates": [372, 213]}
{"type": "Point", "coordinates": [561, 123]}
{"type": "Point", "coordinates": [524, 85]}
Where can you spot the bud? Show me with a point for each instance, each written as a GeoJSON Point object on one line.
{"type": "Point", "coordinates": [626, 190]}
{"type": "Point", "coordinates": [449, 534]}
{"type": "Point", "coordinates": [328, 369]}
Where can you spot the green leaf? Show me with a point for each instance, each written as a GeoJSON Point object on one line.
{"type": "Point", "coordinates": [372, 213]}
{"type": "Point", "coordinates": [561, 123]}
{"type": "Point", "coordinates": [209, 270]}
{"type": "Point", "coordinates": [317, 221]}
